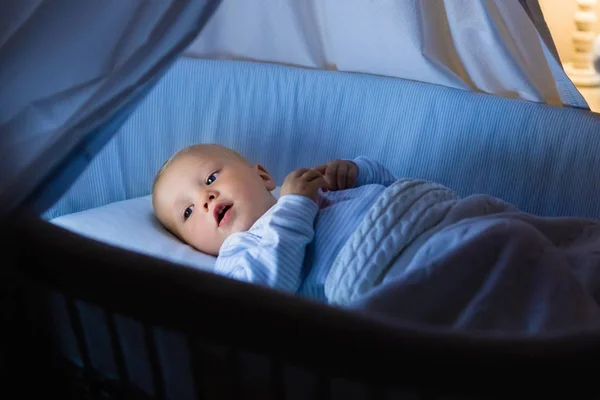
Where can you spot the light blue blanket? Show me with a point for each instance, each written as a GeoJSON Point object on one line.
{"type": "Point", "coordinates": [424, 255]}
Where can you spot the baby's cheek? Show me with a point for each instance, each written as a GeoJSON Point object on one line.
{"type": "Point", "coordinates": [197, 236]}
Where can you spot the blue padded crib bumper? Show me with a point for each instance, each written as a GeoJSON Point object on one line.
{"type": "Point", "coordinates": [544, 159]}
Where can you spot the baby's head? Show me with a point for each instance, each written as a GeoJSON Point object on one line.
{"type": "Point", "coordinates": [206, 192]}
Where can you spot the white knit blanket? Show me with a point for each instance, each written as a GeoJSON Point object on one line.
{"type": "Point", "coordinates": [423, 255]}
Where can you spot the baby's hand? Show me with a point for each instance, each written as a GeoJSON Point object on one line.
{"type": "Point", "coordinates": [305, 182]}
{"type": "Point", "coordinates": [340, 174]}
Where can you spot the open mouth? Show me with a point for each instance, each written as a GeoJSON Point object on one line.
{"type": "Point", "coordinates": [221, 212]}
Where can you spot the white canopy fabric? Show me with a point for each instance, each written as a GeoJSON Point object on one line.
{"type": "Point", "coordinates": [67, 67]}
{"type": "Point", "coordinates": [489, 46]}
{"type": "Point", "coordinates": [71, 71]}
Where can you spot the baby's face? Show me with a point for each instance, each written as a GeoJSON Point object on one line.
{"type": "Point", "coordinates": [208, 194]}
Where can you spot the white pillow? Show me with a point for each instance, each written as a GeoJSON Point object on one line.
{"type": "Point", "coordinates": [131, 224]}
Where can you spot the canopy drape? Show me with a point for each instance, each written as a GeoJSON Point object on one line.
{"type": "Point", "coordinates": [72, 71]}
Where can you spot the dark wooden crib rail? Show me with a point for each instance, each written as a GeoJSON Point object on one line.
{"type": "Point", "coordinates": [329, 341]}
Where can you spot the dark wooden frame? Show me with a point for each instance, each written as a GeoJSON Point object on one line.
{"type": "Point", "coordinates": [329, 341]}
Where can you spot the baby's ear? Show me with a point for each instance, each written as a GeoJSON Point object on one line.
{"type": "Point", "coordinates": [266, 177]}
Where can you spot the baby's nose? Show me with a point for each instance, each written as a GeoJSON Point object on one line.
{"type": "Point", "coordinates": [210, 198]}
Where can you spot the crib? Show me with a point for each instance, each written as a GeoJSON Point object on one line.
{"type": "Point", "coordinates": [97, 314]}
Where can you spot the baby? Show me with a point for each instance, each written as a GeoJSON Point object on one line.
{"type": "Point", "coordinates": [213, 199]}
{"type": "Point", "coordinates": [350, 233]}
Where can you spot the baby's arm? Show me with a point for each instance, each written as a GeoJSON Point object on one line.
{"type": "Point", "coordinates": [370, 172]}
{"type": "Point", "coordinates": [273, 256]}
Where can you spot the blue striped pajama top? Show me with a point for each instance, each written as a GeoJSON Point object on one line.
{"type": "Point", "coordinates": [293, 245]}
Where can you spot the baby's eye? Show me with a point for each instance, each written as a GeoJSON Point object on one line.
{"type": "Point", "coordinates": [212, 178]}
{"type": "Point", "coordinates": [188, 212]}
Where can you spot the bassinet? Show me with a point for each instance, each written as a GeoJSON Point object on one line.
{"type": "Point", "coordinates": [91, 319]}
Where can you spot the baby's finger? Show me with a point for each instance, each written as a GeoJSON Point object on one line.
{"type": "Point", "coordinates": [320, 183]}
{"type": "Point", "coordinates": [351, 178]}
{"type": "Point", "coordinates": [321, 169]}
{"type": "Point", "coordinates": [331, 175]}
{"type": "Point", "coordinates": [342, 173]}
{"type": "Point", "coordinates": [311, 175]}
{"type": "Point", "coordinates": [299, 172]}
